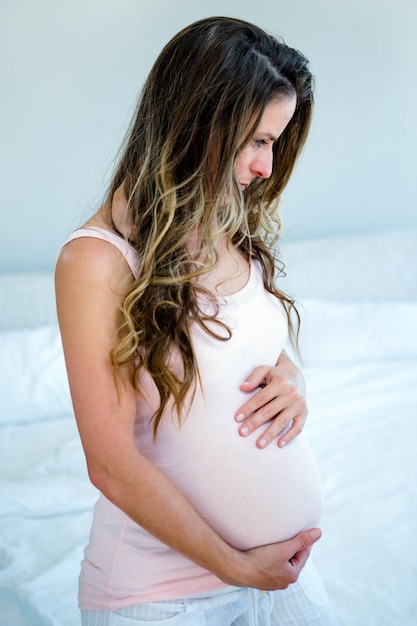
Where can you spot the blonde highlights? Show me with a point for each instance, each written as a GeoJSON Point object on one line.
{"type": "Point", "coordinates": [177, 173]}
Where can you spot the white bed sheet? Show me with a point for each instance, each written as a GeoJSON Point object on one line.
{"type": "Point", "coordinates": [363, 428]}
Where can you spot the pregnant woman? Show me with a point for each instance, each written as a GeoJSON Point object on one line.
{"type": "Point", "coordinates": [173, 331]}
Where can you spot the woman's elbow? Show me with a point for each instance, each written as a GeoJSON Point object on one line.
{"type": "Point", "coordinates": [100, 474]}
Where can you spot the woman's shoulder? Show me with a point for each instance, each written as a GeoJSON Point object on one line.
{"type": "Point", "coordinates": [95, 244]}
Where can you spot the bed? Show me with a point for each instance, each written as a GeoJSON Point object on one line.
{"type": "Point", "coordinates": [358, 301]}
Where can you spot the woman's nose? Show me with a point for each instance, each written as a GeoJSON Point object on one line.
{"type": "Point", "coordinates": [262, 166]}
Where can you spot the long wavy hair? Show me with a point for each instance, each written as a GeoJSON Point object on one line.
{"type": "Point", "coordinates": [210, 83]}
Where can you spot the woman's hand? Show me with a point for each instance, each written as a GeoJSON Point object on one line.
{"type": "Point", "coordinates": [277, 565]}
{"type": "Point", "coordinates": [280, 401]}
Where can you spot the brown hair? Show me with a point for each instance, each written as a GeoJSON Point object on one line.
{"type": "Point", "coordinates": [177, 168]}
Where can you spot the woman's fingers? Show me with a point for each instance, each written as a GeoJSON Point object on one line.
{"type": "Point", "coordinates": [278, 403]}
{"type": "Point", "coordinates": [278, 565]}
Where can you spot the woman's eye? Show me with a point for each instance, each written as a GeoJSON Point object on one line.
{"type": "Point", "coordinates": [259, 142]}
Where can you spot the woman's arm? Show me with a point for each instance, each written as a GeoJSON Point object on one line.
{"type": "Point", "coordinates": [88, 278]}
{"type": "Point", "coordinates": [280, 399]}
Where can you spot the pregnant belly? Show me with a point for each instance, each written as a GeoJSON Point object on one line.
{"type": "Point", "coordinates": [256, 497]}
{"type": "Point", "coordinates": [251, 497]}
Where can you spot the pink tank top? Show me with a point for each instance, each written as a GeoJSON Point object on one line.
{"type": "Point", "coordinates": [250, 497]}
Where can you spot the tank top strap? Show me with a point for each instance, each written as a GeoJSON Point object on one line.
{"type": "Point", "coordinates": [118, 242]}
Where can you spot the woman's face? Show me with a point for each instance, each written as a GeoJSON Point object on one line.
{"type": "Point", "coordinates": [256, 159]}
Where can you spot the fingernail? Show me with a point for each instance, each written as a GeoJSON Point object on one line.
{"type": "Point", "coordinates": [282, 444]}
{"type": "Point", "coordinates": [240, 417]}
{"type": "Point", "coordinates": [244, 431]}
{"type": "Point", "coordinates": [262, 443]}
{"type": "Point", "coordinates": [315, 534]}
{"type": "Point", "coordinates": [246, 382]}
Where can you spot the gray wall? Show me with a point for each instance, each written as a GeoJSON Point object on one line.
{"type": "Point", "coordinates": [71, 70]}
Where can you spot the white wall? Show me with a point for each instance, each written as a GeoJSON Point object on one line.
{"type": "Point", "coordinates": [71, 70]}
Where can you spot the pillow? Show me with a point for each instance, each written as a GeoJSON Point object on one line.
{"type": "Point", "coordinates": [341, 333]}
{"type": "Point", "coordinates": [375, 266]}
{"type": "Point", "coordinates": [33, 379]}
{"type": "Point", "coordinates": [27, 300]}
